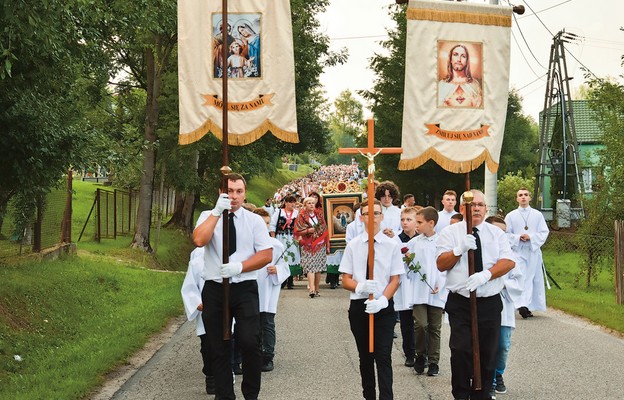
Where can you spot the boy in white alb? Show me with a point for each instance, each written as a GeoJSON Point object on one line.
{"type": "Point", "coordinates": [428, 292]}
{"type": "Point", "coordinates": [270, 279]}
{"type": "Point", "coordinates": [510, 294]}
{"type": "Point", "coordinates": [191, 297]}
{"type": "Point", "coordinates": [388, 266]}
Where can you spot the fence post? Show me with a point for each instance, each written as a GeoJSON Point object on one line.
{"type": "Point", "coordinates": [37, 228]}
{"type": "Point", "coordinates": [98, 232]}
{"type": "Point", "coordinates": [66, 236]}
{"type": "Point", "coordinates": [115, 214]}
{"type": "Point", "coordinates": [619, 262]}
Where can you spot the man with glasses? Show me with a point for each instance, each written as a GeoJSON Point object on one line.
{"type": "Point", "coordinates": [528, 232]}
{"type": "Point", "coordinates": [493, 258]}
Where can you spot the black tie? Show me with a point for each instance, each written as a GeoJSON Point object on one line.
{"type": "Point", "coordinates": [478, 257]}
{"type": "Point", "coordinates": [232, 235]}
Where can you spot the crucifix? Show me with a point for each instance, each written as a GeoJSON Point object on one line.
{"type": "Point", "coordinates": [370, 152]}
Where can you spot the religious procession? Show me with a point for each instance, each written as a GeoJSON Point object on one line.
{"type": "Point", "coordinates": [399, 243]}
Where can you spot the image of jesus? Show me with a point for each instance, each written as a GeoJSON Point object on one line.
{"type": "Point", "coordinates": [459, 88]}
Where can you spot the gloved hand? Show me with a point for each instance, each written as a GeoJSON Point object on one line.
{"type": "Point", "coordinates": [478, 279]}
{"type": "Point", "coordinates": [469, 242]}
{"type": "Point", "coordinates": [376, 305]}
{"type": "Point", "coordinates": [223, 203]}
{"type": "Point", "coordinates": [230, 269]}
{"type": "Point", "coordinates": [366, 287]}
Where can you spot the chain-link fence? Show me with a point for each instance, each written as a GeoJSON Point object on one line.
{"type": "Point", "coordinates": [24, 230]}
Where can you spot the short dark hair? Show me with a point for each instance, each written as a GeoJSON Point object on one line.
{"type": "Point", "coordinates": [457, 216]}
{"type": "Point", "coordinates": [429, 213]}
{"type": "Point", "coordinates": [261, 212]}
{"type": "Point", "coordinates": [495, 218]}
{"type": "Point", "coordinates": [408, 196]}
{"type": "Point", "coordinates": [290, 199]}
{"type": "Point", "coordinates": [236, 177]}
{"type": "Point", "coordinates": [364, 203]}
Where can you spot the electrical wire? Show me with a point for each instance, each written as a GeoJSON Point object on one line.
{"type": "Point", "coordinates": [527, 44]}
{"type": "Point", "coordinates": [545, 9]}
{"type": "Point", "coordinates": [539, 78]}
{"type": "Point", "coordinates": [537, 16]}
{"type": "Point", "coordinates": [523, 56]}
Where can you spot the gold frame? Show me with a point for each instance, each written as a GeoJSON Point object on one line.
{"type": "Point", "coordinates": [333, 203]}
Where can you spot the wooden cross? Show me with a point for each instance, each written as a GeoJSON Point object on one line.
{"type": "Point", "coordinates": [370, 152]}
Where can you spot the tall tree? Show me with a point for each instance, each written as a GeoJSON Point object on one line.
{"type": "Point", "coordinates": [345, 123]}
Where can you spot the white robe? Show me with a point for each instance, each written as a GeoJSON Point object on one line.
{"type": "Point", "coordinates": [424, 249]}
{"type": "Point", "coordinates": [529, 255]}
{"type": "Point", "coordinates": [269, 285]}
{"type": "Point", "coordinates": [403, 296]}
{"type": "Point", "coordinates": [509, 295]}
{"type": "Point", "coordinates": [192, 289]}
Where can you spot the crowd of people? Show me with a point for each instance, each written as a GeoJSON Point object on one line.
{"type": "Point", "coordinates": [420, 278]}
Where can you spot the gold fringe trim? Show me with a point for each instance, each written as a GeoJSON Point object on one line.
{"type": "Point", "coordinates": [457, 167]}
{"type": "Point", "coordinates": [459, 17]}
{"type": "Point", "coordinates": [238, 139]}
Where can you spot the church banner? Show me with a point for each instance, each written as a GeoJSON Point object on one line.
{"type": "Point", "coordinates": [456, 84]}
{"type": "Point", "coordinates": [259, 66]}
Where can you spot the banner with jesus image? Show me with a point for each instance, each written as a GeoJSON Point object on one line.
{"type": "Point", "coordinates": [456, 84]}
{"type": "Point", "coordinates": [259, 66]}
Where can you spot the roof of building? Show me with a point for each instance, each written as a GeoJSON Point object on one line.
{"type": "Point", "coordinates": [585, 122]}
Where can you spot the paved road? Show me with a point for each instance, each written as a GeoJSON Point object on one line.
{"type": "Point", "coordinates": [553, 356]}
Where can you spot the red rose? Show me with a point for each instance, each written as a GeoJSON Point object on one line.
{"type": "Point", "coordinates": [404, 250]}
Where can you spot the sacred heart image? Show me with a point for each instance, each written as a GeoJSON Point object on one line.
{"type": "Point", "coordinates": [242, 38]}
{"type": "Point", "coordinates": [460, 74]}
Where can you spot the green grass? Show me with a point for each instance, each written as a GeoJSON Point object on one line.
{"type": "Point", "coordinates": [596, 303]}
{"type": "Point", "coordinates": [72, 320]}
{"type": "Point", "coordinates": [263, 187]}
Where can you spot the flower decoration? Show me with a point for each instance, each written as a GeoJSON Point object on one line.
{"type": "Point", "coordinates": [408, 259]}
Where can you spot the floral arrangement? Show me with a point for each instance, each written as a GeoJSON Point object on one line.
{"type": "Point", "coordinates": [408, 259]}
{"type": "Point", "coordinates": [287, 253]}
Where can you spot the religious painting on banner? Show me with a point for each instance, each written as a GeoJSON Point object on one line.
{"type": "Point", "coordinates": [259, 66]}
{"type": "Point", "coordinates": [456, 84]}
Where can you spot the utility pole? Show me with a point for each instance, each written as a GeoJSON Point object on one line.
{"type": "Point", "coordinates": [558, 146]}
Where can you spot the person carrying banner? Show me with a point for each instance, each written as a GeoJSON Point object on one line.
{"type": "Point", "coordinates": [388, 266]}
{"type": "Point", "coordinates": [251, 249]}
{"type": "Point", "coordinates": [493, 258]}
{"type": "Point", "coordinates": [528, 231]}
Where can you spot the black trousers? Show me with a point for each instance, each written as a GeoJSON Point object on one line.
{"type": "Point", "coordinates": [489, 322]}
{"type": "Point", "coordinates": [407, 333]}
{"type": "Point", "coordinates": [205, 353]}
{"type": "Point", "coordinates": [244, 306]}
{"type": "Point", "coordinates": [382, 356]}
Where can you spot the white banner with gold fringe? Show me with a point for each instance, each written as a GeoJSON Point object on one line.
{"type": "Point", "coordinates": [260, 68]}
{"type": "Point", "coordinates": [456, 84]}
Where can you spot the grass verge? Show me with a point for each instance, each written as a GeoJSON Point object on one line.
{"type": "Point", "coordinates": [72, 320]}
{"type": "Point", "coordinates": [596, 303]}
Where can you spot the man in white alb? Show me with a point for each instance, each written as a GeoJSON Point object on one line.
{"type": "Point", "coordinates": [528, 231]}
{"type": "Point", "coordinates": [449, 199]}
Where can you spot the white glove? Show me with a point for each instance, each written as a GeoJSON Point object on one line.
{"type": "Point", "coordinates": [478, 279]}
{"type": "Point", "coordinates": [469, 242]}
{"type": "Point", "coordinates": [230, 269]}
{"type": "Point", "coordinates": [223, 203]}
{"type": "Point", "coordinates": [376, 305]}
{"type": "Point", "coordinates": [366, 287]}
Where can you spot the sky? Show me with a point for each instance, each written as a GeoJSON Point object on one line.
{"type": "Point", "coordinates": [360, 25]}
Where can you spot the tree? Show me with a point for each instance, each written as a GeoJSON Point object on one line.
{"type": "Point", "coordinates": [508, 187]}
{"type": "Point", "coordinates": [345, 123]}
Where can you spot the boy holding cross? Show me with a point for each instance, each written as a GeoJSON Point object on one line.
{"type": "Point", "coordinates": [388, 266]}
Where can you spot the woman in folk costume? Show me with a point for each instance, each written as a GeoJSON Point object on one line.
{"type": "Point", "coordinates": [281, 227]}
{"type": "Point", "coordinates": [311, 230]}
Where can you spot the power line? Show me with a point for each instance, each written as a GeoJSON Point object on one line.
{"type": "Point", "coordinates": [545, 9]}
{"type": "Point", "coordinates": [527, 44]}
{"type": "Point", "coordinates": [532, 82]}
{"type": "Point", "coordinates": [523, 56]}
{"type": "Point", "coordinates": [538, 18]}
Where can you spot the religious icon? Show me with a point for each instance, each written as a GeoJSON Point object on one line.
{"type": "Point", "coordinates": [242, 37]}
{"type": "Point", "coordinates": [460, 74]}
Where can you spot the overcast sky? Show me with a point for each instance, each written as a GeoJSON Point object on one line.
{"type": "Point", "coordinates": [360, 24]}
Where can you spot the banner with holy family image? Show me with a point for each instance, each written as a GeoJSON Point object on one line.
{"type": "Point", "coordinates": [259, 67]}
{"type": "Point", "coordinates": [456, 84]}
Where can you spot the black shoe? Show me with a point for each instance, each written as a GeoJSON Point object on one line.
{"type": "Point", "coordinates": [210, 385]}
{"type": "Point", "coordinates": [394, 335]}
{"type": "Point", "coordinates": [410, 361]}
{"type": "Point", "coordinates": [433, 370]}
{"type": "Point", "coordinates": [419, 365]}
{"type": "Point", "coordinates": [492, 394]}
{"type": "Point", "coordinates": [236, 368]}
{"type": "Point", "coordinates": [267, 366]}
{"type": "Point", "coordinates": [290, 287]}
{"type": "Point", "coordinates": [312, 294]}
{"type": "Point", "coordinates": [524, 312]}
{"type": "Point", "coordinates": [500, 384]}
